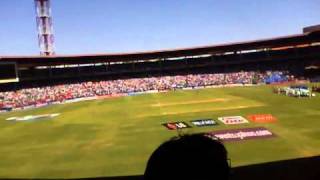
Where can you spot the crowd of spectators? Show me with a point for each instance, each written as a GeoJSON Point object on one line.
{"type": "Point", "coordinates": [60, 93]}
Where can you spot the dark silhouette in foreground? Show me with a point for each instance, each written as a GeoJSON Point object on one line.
{"type": "Point", "coordinates": [295, 169]}
{"type": "Point", "coordinates": [189, 157]}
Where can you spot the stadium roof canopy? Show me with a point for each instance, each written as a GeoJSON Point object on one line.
{"type": "Point", "coordinates": [264, 44]}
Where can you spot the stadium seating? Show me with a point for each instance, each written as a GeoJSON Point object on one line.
{"type": "Point", "coordinates": [38, 96]}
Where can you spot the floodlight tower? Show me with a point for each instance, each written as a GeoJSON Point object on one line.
{"type": "Point", "coordinates": [45, 29]}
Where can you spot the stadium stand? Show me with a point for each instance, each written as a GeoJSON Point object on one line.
{"type": "Point", "coordinates": [276, 77]}
{"type": "Point", "coordinates": [38, 80]}
{"type": "Point", "coordinates": [38, 96]}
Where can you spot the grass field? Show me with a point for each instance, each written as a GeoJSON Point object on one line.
{"type": "Point", "coordinates": [115, 137]}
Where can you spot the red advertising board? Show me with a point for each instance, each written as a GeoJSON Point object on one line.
{"type": "Point", "coordinates": [262, 118]}
{"type": "Point", "coordinates": [176, 125]}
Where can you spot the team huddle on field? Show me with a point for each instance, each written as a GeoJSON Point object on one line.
{"type": "Point", "coordinates": [295, 91]}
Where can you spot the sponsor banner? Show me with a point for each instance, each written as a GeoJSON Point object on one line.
{"type": "Point", "coordinates": [25, 107]}
{"type": "Point", "coordinates": [229, 120]}
{"type": "Point", "coordinates": [135, 93]}
{"type": "Point", "coordinates": [199, 87]}
{"type": "Point", "coordinates": [241, 134]}
{"type": "Point", "coordinates": [5, 109]}
{"type": "Point", "coordinates": [41, 105]}
{"type": "Point", "coordinates": [89, 98]}
{"type": "Point", "coordinates": [22, 108]}
{"type": "Point", "coordinates": [176, 125]}
{"type": "Point", "coordinates": [118, 95]}
{"type": "Point", "coordinates": [152, 91]}
{"type": "Point", "coordinates": [187, 88]}
{"type": "Point", "coordinates": [79, 100]}
{"type": "Point", "coordinates": [32, 117]}
{"type": "Point", "coordinates": [72, 101]}
{"type": "Point", "coordinates": [163, 91]}
{"type": "Point", "coordinates": [232, 85]}
{"type": "Point", "coordinates": [204, 122]}
{"type": "Point", "coordinates": [262, 118]}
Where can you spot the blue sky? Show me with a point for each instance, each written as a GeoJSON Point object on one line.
{"type": "Point", "coordinates": [108, 26]}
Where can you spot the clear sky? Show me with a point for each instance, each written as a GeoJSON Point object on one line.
{"type": "Point", "coordinates": [108, 26]}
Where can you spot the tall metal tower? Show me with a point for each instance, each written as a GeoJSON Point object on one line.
{"type": "Point", "coordinates": [45, 29]}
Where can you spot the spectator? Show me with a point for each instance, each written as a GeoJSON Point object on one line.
{"type": "Point", "coordinates": [189, 157]}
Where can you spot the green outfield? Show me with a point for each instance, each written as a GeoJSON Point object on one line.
{"type": "Point", "coordinates": [115, 137]}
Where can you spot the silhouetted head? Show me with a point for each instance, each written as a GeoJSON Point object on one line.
{"type": "Point", "coordinates": [189, 157]}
